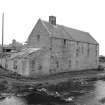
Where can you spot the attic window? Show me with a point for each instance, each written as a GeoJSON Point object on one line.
{"type": "Point", "coordinates": [38, 37]}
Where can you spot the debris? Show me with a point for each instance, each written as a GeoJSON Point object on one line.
{"type": "Point", "coordinates": [69, 99]}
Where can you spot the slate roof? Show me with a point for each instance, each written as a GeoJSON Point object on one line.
{"type": "Point", "coordinates": [60, 31]}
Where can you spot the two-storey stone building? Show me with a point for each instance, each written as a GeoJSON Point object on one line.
{"type": "Point", "coordinates": [69, 49]}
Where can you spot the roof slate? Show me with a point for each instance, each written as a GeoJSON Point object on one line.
{"type": "Point", "coordinates": [60, 31]}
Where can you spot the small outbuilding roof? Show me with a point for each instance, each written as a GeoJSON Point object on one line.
{"type": "Point", "coordinates": [24, 53]}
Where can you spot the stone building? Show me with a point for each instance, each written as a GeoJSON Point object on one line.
{"type": "Point", "coordinates": [69, 49]}
{"type": "Point", "coordinates": [53, 48]}
{"type": "Point", "coordinates": [28, 62]}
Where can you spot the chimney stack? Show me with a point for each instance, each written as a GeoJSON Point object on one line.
{"type": "Point", "coordinates": [52, 20]}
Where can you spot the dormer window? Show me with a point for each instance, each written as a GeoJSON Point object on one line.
{"type": "Point", "coordinates": [38, 37]}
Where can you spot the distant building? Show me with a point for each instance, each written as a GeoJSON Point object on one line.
{"type": "Point", "coordinates": [69, 49]}
{"type": "Point", "coordinates": [13, 47]}
{"type": "Point", "coordinates": [7, 50]}
{"type": "Point", "coordinates": [16, 45]}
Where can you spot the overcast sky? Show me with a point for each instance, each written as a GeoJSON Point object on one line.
{"type": "Point", "coordinates": [22, 15]}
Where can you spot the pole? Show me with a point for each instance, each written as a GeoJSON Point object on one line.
{"type": "Point", "coordinates": [2, 38]}
{"type": "Point", "coordinates": [2, 31]}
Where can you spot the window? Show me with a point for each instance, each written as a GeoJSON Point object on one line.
{"type": "Point", "coordinates": [33, 64]}
{"type": "Point", "coordinates": [82, 49]}
{"type": "Point", "coordinates": [6, 65]}
{"type": "Point", "coordinates": [52, 59]}
{"type": "Point", "coordinates": [15, 64]}
{"type": "Point", "coordinates": [88, 50]}
{"type": "Point", "coordinates": [96, 48]}
{"type": "Point", "coordinates": [69, 63]}
{"type": "Point", "coordinates": [77, 63]}
{"type": "Point", "coordinates": [57, 64]}
{"type": "Point", "coordinates": [23, 65]}
{"type": "Point", "coordinates": [39, 66]}
{"type": "Point", "coordinates": [64, 42]}
{"type": "Point", "coordinates": [77, 50]}
{"type": "Point", "coordinates": [38, 37]}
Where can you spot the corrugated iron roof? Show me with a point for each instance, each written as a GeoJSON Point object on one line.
{"type": "Point", "coordinates": [61, 31]}
{"type": "Point", "coordinates": [24, 53]}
